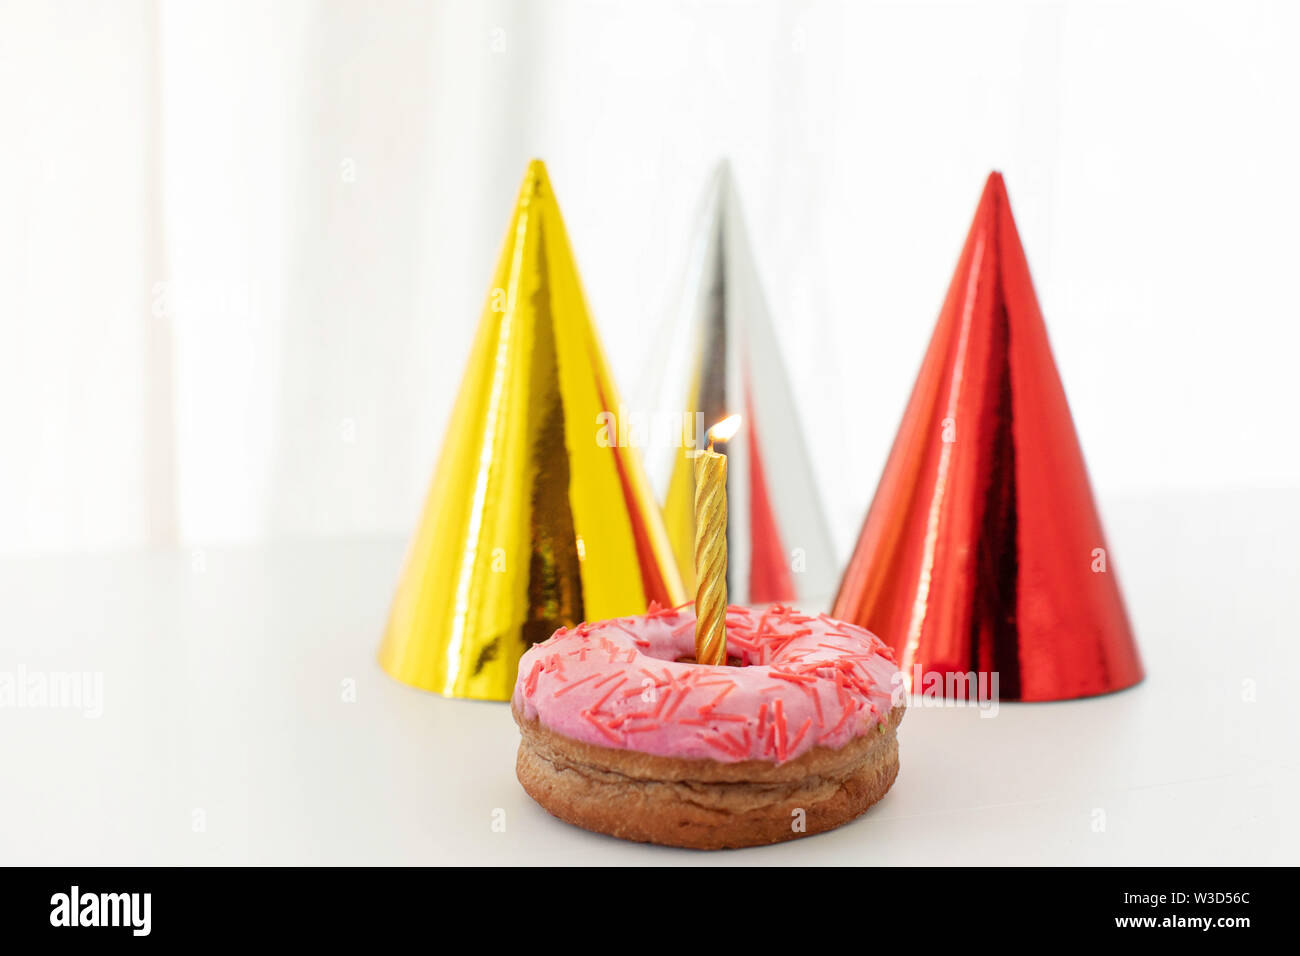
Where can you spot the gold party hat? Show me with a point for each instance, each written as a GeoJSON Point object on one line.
{"type": "Point", "coordinates": [536, 517]}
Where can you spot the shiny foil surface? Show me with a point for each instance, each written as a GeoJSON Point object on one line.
{"type": "Point", "coordinates": [711, 559]}
{"type": "Point", "coordinates": [983, 550]}
{"type": "Point", "coordinates": [723, 357]}
{"type": "Point", "coordinates": [536, 517]}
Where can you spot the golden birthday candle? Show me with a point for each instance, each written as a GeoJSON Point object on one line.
{"type": "Point", "coordinates": [711, 547]}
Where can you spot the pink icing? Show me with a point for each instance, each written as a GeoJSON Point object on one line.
{"type": "Point", "coordinates": [806, 681]}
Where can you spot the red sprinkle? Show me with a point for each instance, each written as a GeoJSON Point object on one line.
{"type": "Point", "coordinates": [718, 744]}
{"type": "Point", "coordinates": [794, 678]}
{"type": "Point", "coordinates": [817, 704]}
{"type": "Point", "coordinates": [794, 745]}
{"type": "Point", "coordinates": [730, 688]}
{"type": "Point", "coordinates": [676, 703]}
{"type": "Point", "coordinates": [587, 715]}
{"type": "Point", "coordinates": [848, 712]}
{"type": "Point", "coordinates": [596, 706]}
{"type": "Point", "coordinates": [568, 687]}
{"type": "Point", "coordinates": [625, 629]}
{"type": "Point", "coordinates": [653, 725]}
{"type": "Point", "coordinates": [659, 704]}
{"type": "Point", "coordinates": [530, 684]}
{"type": "Point", "coordinates": [737, 746]}
{"type": "Point", "coordinates": [778, 721]}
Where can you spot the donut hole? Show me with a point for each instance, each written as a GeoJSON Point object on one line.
{"type": "Point", "coordinates": [675, 642]}
{"type": "Point", "coordinates": [731, 661]}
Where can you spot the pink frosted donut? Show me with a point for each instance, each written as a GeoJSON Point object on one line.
{"type": "Point", "coordinates": [804, 681]}
{"type": "Point", "coordinates": [810, 692]}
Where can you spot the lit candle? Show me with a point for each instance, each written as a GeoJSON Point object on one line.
{"type": "Point", "coordinates": [711, 547]}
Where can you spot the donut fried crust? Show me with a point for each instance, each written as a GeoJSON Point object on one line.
{"type": "Point", "coordinates": [705, 804]}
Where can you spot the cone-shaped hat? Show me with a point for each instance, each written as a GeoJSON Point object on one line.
{"type": "Point", "coordinates": [982, 550]}
{"type": "Point", "coordinates": [535, 518]}
{"type": "Point", "coordinates": [723, 357]}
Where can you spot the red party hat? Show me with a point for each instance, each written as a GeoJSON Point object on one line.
{"type": "Point", "coordinates": [983, 551]}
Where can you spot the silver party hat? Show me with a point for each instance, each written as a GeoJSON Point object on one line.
{"type": "Point", "coordinates": [722, 357]}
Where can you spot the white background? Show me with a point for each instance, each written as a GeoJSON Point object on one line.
{"type": "Point", "coordinates": [313, 194]}
{"type": "Point", "coordinates": [243, 247]}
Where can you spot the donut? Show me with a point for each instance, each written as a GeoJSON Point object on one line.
{"type": "Point", "coordinates": [624, 734]}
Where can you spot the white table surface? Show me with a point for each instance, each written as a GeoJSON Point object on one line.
{"type": "Point", "coordinates": [223, 674]}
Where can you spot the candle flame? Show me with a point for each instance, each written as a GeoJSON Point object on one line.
{"type": "Point", "coordinates": [725, 429]}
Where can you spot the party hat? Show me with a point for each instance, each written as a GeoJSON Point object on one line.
{"type": "Point", "coordinates": [983, 551]}
{"type": "Point", "coordinates": [723, 357]}
{"type": "Point", "coordinates": [536, 517]}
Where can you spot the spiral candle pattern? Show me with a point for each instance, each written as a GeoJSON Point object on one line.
{"type": "Point", "coordinates": [711, 558]}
